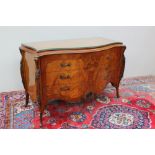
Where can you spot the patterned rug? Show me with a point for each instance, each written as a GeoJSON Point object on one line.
{"type": "Point", "coordinates": [135, 109]}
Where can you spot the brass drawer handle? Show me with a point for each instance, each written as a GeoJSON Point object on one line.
{"type": "Point", "coordinates": [64, 88]}
{"type": "Point", "coordinates": [65, 65]}
{"type": "Point", "coordinates": [62, 77]}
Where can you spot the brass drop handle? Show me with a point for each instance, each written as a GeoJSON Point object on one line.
{"type": "Point", "coordinates": [65, 65]}
{"type": "Point", "coordinates": [62, 77]}
{"type": "Point", "coordinates": [64, 88]}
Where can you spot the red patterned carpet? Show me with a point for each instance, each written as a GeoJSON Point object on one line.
{"type": "Point", "coordinates": [135, 109]}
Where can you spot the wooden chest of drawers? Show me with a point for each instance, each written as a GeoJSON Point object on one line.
{"type": "Point", "coordinates": [70, 70]}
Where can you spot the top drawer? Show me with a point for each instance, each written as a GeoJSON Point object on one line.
{"type": "Point", "coordinates": [64, 65]}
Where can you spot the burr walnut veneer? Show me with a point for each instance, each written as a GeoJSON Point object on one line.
{"type": "Point", "coordinates": [70, 70]}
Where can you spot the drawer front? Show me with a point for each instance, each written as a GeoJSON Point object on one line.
{"type": "Point", "coordinates": [66, 92]}
{"type": "Point", "coordinates": [64, 65]}
{"type": "Point", "coordinates": [65, 77]}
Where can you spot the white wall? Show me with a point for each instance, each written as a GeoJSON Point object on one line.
{"type": "Point", "coordinates": [140, 53]}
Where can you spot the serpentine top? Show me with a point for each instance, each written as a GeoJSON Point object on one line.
{"type": "Point", "coordinates": [69, 44]}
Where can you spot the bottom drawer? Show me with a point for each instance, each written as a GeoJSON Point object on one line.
{"type": "Point", "coordinates": [65, 92]}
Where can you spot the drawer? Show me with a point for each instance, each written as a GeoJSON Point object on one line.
{"type": "Point", "coordinates": [64, 65]}
{"type": "Point", "coordinates": [68, 77]}
{"type": "Point", "coordinates": [70, 91]}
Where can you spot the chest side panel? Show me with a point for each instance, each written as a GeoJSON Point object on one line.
{"type": "Point", "coordinates": [119, 66]}
{"type": "Point", "coordinates": [28, 69]}
{"type": "Point", "coordinates": [108, 68]}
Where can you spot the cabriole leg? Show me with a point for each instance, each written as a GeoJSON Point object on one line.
{"type": "Point", "coordinates": [42, 109]}
{"type": "Point", "coordinates": [41, 119]}
{"type": "Point", "coordinates": [117, 91]}
{"type": "Point", "coordinates": [27, 99]}
{"type": "Point", "coordinates": [116, 85]}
